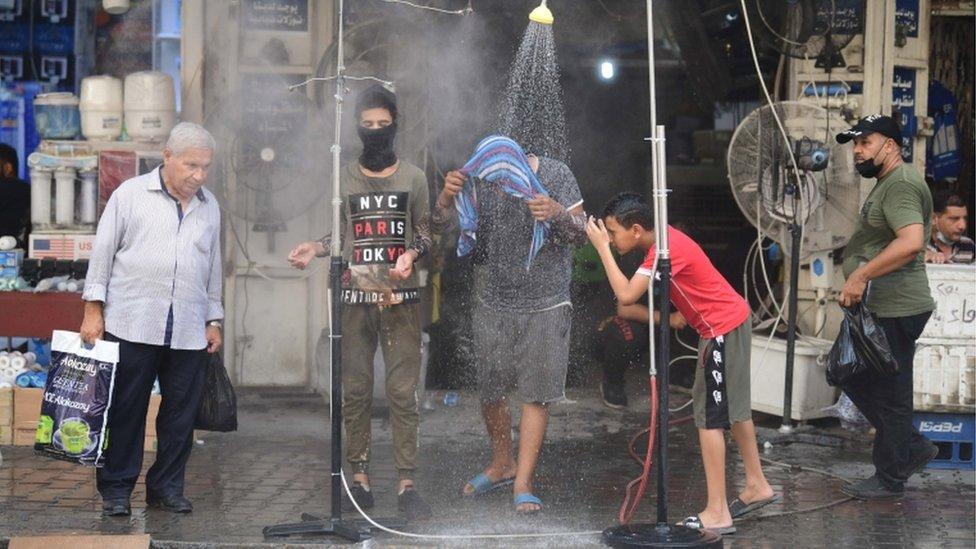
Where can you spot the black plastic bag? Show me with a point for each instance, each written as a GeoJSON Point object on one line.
{"type": "Point", "coordinates": [218, 405]}
{"type": "Point", "coordinates": [843, 363]}
{"type": "Point", "coordinates": [861, 346]}
{"type": "Point", "coordinates": [870, 341]}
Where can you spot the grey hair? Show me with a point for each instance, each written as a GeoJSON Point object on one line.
{"type": "Point", "coordinates": [187, 135]}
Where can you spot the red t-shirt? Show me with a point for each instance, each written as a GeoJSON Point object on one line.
{"type": "Point", "coordinates": [708, 302]}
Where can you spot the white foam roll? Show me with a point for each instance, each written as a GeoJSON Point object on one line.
{"type": "Point", "coordinates": [64, 209]}
{"type": "Point", "coordinates": [7, 373]}
{"type": "Point", "coordinates": [31, 357]}
{"type": "Point", "coordinates": [18, 362]}
{"type": "Point", "coordinates": [7, 243]}
{"type": "Point", "coordinates": [72, 286]}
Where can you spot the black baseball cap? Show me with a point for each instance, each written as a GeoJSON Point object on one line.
{"type": "Point", "coordinates": [873, 123]}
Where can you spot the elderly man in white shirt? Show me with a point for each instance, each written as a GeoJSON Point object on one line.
{"type": "Point", "coordinates": [154, 286]}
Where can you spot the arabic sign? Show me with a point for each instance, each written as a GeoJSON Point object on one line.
{"type": "Point", "coordinates": [903, 103]}
{"type": "Point", "coordinates": [848, 16]}
{"type": "Point", "coordinates": [276, 15]}
{"type": "Point", "coordinates": [906, 16]}
{"type": "Point", "coordinates": [955, 301]}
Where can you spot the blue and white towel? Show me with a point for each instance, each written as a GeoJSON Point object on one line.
{"type": "Point", "coordinates": [501, 161]}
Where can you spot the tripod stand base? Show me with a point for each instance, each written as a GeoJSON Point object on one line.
{"type": "Point", "coordinates": [342, 528]}
{"type": "Point", "coordinates": [659, 535]}
{"type": "Point", "coordinates": [352, 530]}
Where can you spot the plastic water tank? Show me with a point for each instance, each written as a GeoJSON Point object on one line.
{"type": "Point", "coordinates": [101, 108]}
{"type": "Point", "coordinates": [56, 115]}
{"type": "Point", "coordinates": [150, 105]}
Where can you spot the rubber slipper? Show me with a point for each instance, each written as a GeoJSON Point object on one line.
{"type": "Point", "coordinates": [695, 523]}
{"type": "Point", "coordinates": [483, 485]}
{"type": "Point", "coordinates": [737, 507]}
{"type": "Point", "coordinates": [524, 498]}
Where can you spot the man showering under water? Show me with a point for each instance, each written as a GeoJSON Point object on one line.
{"type": "Point", "coordinates": [522, 309]}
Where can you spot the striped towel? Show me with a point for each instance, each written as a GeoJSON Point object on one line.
{"type": "Point", "coordinates": [501, 161]}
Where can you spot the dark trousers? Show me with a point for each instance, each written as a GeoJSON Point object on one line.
{"type": "Point", "coordinates": [181, 383]}
{"type": "Point", "coordinates": [886, 401]}
{"type": "Point", "coordinates": [620, 344]}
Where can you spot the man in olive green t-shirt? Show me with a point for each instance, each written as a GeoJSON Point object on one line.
{"type": "Point", "coordinates": [886, 252]}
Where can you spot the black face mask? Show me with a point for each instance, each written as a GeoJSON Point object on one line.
{"type": "Point", "coordinates": [867, 168]}
{"type": "Point", "coordinates": [378, 151]}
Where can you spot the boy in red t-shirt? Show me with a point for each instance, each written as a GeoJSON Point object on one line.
{"type": "Point", "coordinates": [721, 317]}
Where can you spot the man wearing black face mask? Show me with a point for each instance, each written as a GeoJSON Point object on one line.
{"type": "Point", "coordinates": [386, 227]}
{"type": "Point", "coordinates": [887, 250]}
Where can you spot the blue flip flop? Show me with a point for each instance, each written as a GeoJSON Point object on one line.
{"type": "Point", "coordinates": [527, 497]}
{"type": "Point", "coordinates": [483, 485]}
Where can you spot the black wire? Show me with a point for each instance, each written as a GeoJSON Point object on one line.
{"type": "Point", "coordinates": [30, 41]}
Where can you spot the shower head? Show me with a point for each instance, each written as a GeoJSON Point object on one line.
{"type": "Point", "coordinates": [541, 14]}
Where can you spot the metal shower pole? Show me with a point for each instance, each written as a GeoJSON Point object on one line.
{"type": "Point", "coordinates": [661, 533]}
{"type": "Point", "coordinates": [355, 531]}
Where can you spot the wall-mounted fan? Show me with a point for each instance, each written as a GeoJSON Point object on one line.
{"type": "Point", "coordinates": [274, 145]}
{"type": "Point", "coordinates": [811, 29]}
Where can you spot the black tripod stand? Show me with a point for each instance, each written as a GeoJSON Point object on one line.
{"type": "Point", "coordinates": [312, 525]}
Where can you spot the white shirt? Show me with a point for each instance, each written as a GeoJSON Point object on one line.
{"type": "Point", "coordinates": [146, 260]}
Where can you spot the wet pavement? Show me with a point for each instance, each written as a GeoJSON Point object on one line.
{"type": "Point", "coordinates": [276, 467]}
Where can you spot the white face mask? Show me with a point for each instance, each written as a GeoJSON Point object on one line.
{"type": "Point", "coordinates": [943, 238]}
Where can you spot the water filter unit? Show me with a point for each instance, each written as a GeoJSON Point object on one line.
{"type": "Point", "coordinates": [63, 192]}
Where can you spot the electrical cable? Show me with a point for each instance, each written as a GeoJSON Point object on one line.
{"type": "Point", "coordinates": [683, 344]}
{"type": "Point", "coordinates": [792, 157]}
{"type": "Point", "coordinates": [464, 11]}
{"type": "Point", "coordinates": [770, 27]}
{"type": "Point", "coordinates": [252, 265]}
{"type": "Point", "coordinates": [610, 13]}
{"type": "Point", "coordinates": [30, 41]}
{"type": "Point", "coordinates": [762, 263]}
{"type": "Point", "coordinates": [379, 526]}
{"type": "Point", "coordinates": [762, 83]}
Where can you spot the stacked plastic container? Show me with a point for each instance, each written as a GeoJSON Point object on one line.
{"type": "Point", "coordinates": [945, 357]}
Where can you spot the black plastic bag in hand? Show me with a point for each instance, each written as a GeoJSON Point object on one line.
{"type": "Point", "coordinates": [870, 341]}
{"type": "Point", "coordinates": [218, 405]}
{"type": "Point", "coordinates": [843, 363]}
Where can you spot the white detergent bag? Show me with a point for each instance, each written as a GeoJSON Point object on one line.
{"type": "Point", "coordinates": [74, 411]}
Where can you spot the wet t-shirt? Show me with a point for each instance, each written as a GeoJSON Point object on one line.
{"type": "Point", "coordinates": [501, 252]}
{"type": "Point", "coordinates": [382, 216]}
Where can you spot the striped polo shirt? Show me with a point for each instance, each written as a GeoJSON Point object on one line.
{"type": "Point", "coordinates": [147, 260]}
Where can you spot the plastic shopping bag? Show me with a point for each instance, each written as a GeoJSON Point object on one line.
{"type": "Point", "coordinates": [77, 396]}
{"type": "Point", "coordinates": [870, 341]}
{"type": "Point", "coordinates": [843, 363]}
{"type": "Point", "coordinates": [218, 405]}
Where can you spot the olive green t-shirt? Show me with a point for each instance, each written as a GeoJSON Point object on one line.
{"type": "Point", "coordinates": [897, 200]}
{"type": "Point", "coordinates": [382, 218]}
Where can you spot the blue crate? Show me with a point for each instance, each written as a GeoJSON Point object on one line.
{"type": "Point", "coordinates": [954, 434]}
